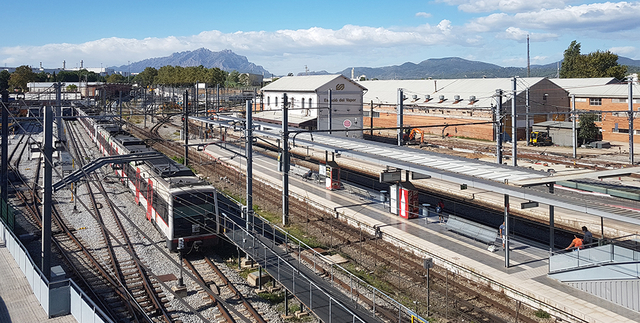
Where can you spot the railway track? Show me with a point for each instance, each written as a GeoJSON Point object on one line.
{"type": "Point", "coordinates": [450, 297]}
{"type": "Point", "coordinates": [208, 273]}
{"type": "Point", "coordinates": [119, 254]}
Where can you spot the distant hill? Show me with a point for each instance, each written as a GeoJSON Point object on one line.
{"type": "Point", "coordinates": [225, 60]}
{"type": "Point", "coordinates": [455, 67]}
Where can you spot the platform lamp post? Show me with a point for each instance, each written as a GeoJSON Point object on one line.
{"type": "Point", "coordinates": [285, 160]}
{"type": "Point", "coordinates": [249, 157]}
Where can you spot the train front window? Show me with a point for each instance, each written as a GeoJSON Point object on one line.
{"type": "Point", "coordinates": [193, 214]}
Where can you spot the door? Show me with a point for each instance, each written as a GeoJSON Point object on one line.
{"type": "Point", "coordinates": [149, 199]}
{"type": "Point", "coordinates": [136, 183]}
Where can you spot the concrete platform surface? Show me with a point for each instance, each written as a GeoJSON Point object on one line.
{"type": "Point", "coordinates": [17, 302]}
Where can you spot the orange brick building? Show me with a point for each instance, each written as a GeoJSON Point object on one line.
{"type": "Point", "coordinates": [610, 103]}
{"type": "Point", "coordinates": [464, 107]}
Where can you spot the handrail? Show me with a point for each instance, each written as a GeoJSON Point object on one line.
{"type": "Point", "coordinates": [294, 270]}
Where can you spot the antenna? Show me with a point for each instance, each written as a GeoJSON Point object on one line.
{"type": "Point", "coordinates": [528, 60]}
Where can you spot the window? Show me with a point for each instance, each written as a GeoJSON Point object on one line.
{"type": "Point", "coordinates": [595, 101]}
{"type": "Point", "coordinates": [310, 106]}
{"type": "Point", "coordinates": [302, 103]}
{"type": "Point", "coordinates": [276, 101]}
{"type": "Point", "coordinates": [268, 100]}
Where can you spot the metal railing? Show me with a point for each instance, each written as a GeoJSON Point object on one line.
{"type": "Point", "coordinates": [622, 250]}
{"type": "Point", "coordinates": [297, 286]}
{"type": "Point", "coordinates": [56, 298]}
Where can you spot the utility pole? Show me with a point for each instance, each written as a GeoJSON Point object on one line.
{"type": "Point", "coordinates": [514, 126]}
{"type": "Point", "coordinates": [329, 116]}
{"type": "Point", "coordinates": [506, 231]}
{"type": "Point", "coordinates": [120, 109]}
{"type": "Point", "coordinates": [59, 111]}
{"type": "Point", "coordinates": [285, 160]}
{"type": "Point", "coordinates": [574, 137]}
{"type": "Point", "coordinates": [528, 59]}
{"type": "Point", "coordinates": [527, 109]}
{"type": "Point", "coordinates": [249, 155]}
{"type": "Point", "coordinates": [4, 177]}
{"type": "Point", "coordinates": [499, 127]}
{"type": "Point", "coordinates": [400, 116]}
{"type": "Point", "coordinates": [630, 99]}
{"type": "Point", "coordinates": [48, 192]}
{"type": "Point", "coordinates": [185, 125]}
{"type": "Point", "coordinates": [372, 118]}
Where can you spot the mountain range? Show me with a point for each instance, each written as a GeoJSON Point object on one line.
{"type": "Point", "coordinates": [448, 67]}
{"type": "Point", "coordinates": [455, 67]}
{"type": "Point", "coordinates": [225, 60]}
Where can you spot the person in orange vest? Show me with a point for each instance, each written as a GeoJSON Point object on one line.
{"type": "Point", "coordinates": [576, 243]}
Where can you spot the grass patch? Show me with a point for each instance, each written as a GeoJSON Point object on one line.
{"type": "Point", "coordinates": [273, 298]}
{"type": "Point", "coordinates": [300, 234]}
{"type": "Point", "coordinates": [542, 314]}
{"type": "Point", "coordinates": [371, 277]}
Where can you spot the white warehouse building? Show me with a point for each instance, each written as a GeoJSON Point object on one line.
{"type": "Point", "coordinates": [308, 103]}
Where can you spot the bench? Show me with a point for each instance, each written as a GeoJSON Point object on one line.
{"type": "Point", "coordinates": [472, 230]}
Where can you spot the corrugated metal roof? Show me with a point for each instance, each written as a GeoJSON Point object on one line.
{"type": "Point", "coordinates": [603, 87]}
{"type": "Point", "coordinates": [620, 91]}
{"type": "Point", "coordinates": [276, 115]}
{"type": "Point", "coordinates": [572, 83]}
{"type": "Point", "coordinates": [386, 92]}
{"type": "Point", "coordinates": [557, 124]}
{"type": "Point", "coordinates": [307, 83]}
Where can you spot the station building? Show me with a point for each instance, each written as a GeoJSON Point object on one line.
{"type": "Point", "coordinates": [608, 99]}
{"type": "Point", "coordinates": [465, 107]}
{"type": "Point", "coordinates": [309, 104]}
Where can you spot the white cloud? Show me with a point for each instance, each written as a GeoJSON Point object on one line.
{"type": "Point", "coordinates": [255, 44]}
{"type": "Point", "coordinates": [423, 14]}
{"type": "Point", "coordinates": [595, 18]}
{"type": "Point", "coordinates": [509, 6]}
{"type": "Point", "coordinates": [625, 50]}
{"type": "Point", "coordinates": [519, 35]}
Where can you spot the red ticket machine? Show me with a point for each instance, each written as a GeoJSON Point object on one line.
{"type": "Point", "coordinates": [333, 176]}
{"type": "Point", "coordinates": [404, 200]}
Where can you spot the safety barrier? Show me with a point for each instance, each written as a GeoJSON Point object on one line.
{"type": "Point", "coordinates": [57, 298]}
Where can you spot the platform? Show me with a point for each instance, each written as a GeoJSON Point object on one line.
{"type": "Point", "coordinates": [17, 301]}
{"type": "Point", "coordinates": [525, 279]}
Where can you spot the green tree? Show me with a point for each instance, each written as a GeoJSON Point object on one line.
{"type": "Point", "coordinates": [604, 64]}
{"type": "Point", "coordinates": [572, 62]}
{"type": "Point", "coordinates": [595, 64]}
{"type": "Point", "coordinates": [4, 80]}
{"type": "Point", "coordinates": [72, 88]}
{"type": "Point", "coordinates": [233, 79]}
{"type": "Point", "coordinates": [22, 75]}
{"type": "Point", "coordinates": [588, 130]}
{"type": "Point", "coordinates": [67, 76]}
{"type": "Point", "coordinates": [146, 77]}
{"type": "Point", "coordinates": [115, 78]}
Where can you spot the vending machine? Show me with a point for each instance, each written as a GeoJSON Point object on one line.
{"type": "Point", "coordinates": [404, 200]}
{"type": "Point", "coordinates": [333, 176]}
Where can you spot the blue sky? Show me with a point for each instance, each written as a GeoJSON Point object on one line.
{"type": "Point", "coordinates": [284, 36]}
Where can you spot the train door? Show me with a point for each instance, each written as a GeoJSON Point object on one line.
{"type": "Point", "coordinates": [137, 185]}
{"type": "Point", "coordinates": [149, 200]}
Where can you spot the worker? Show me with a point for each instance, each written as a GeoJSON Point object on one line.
{"type": "Point", "coordinates": [575, 244]}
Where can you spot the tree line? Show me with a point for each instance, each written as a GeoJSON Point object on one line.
{"type": "Point", "coordinates": [166, 75]}
{"type": "Point", "coordinates": [594, 64]}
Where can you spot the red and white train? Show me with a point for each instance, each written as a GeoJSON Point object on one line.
{"type": "Point", "coordinates": [178, 203]}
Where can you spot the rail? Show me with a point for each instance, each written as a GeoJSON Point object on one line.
{"type": "Point", "coordinates": [440, 260]}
